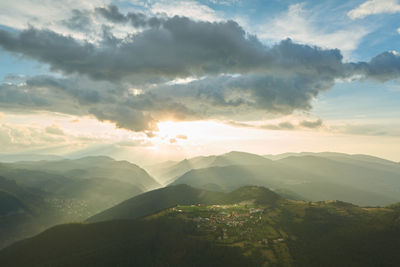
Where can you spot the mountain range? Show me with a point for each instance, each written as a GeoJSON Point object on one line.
{"type": "Point", "coordinates": [251, 226]}
{"type": "Point", "coordinates": [39, 194]}
{"type": "Point", "coordinates": [359, 179]}
{"type": "Point", "coordinates": [116, 199]}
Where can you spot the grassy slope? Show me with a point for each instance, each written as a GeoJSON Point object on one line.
{"type": "Point", "coordinates": [160, 199]}
{"type": "Point", "coordinates": [156, 200]}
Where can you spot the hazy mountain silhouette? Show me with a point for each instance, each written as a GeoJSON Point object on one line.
{"type": "Point", "coordinates": [358, 179]}
{"type": "Point", "coordinates": [168, 171]}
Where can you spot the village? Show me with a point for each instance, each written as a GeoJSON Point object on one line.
{"type": "Point", "coordinates": [229, 223]}
{"type": "Point", "coordinates": [74, 208]}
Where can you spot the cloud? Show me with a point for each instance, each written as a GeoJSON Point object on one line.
{"type": "Point", "coordinates": [77, 96]}
{"type": "Point", "coordinates": [55, 15]}
{"type": "Point", "coordinates": [191, 9]}
{"type": "Point", "coordinates": [374, 7]}
{"type": "Point", "coordinates": [311, 124]}
{"type": "Point", "coordinates": [245, 95]}
{"type": "Point", "coordinates": [182, 136]}
{"type": "Point", "coordinates": [181, 48]}
{"type": "Point", "coordinates": [228, 73]}
{"type": "Point", "coordinates": [300, 25]}
{"type": "Point", "coordinates": [383, 67]}
{"type": "Point", "coordinates": [79, 21]}
{"type": "Point", "coordinates": [282, 126]}
{"type": "Point", "coordinates": [111, 12]}
{"type": "Point", "coordinates": [137, 20]}
{"type": "Point", "coordinates": [54, 129]}
{"type": "Point", "coordinates": [14, 137]}
{"type": "Point", "coordinates": [369, 129]}
{"type": "Point", "coordinates": [225, 2]}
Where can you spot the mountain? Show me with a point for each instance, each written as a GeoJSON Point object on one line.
{"type": "Point", "coordinates": [168, 171]}
{"type": "Point", "coordinates": [81, 187]}
{"type": "Point", "coordinates": [100, 182]}
{"type": "Point", "coordinates": [64, 191]}
{"type": "Point", "coordinates": [156, 200]}
{"type": "Point", "coordinates": [368, 177]}
{"type": "Point", "coordinates": [160, 199]}
{"type": "Point", "coordinates": [254, 227]}
{"type": "Point", "coordinates": [31, 196]}
{"type": "Point", "coordinates": [21, 211]}
{"type": "Point", "coordinates": [93, 167]}
{"type": "Point", "coordinates": [361, 180]}
{"type": "Point", "coordinates": [10, 204]}
{"type": "Point", "coordinates": [341, 157]}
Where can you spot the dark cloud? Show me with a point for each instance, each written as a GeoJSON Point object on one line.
{"type": "Point", "coordinates": [13, 96]}
{"type": "Point", "coordinates": [236, 77]}
{"type": "Point", "coordinates": [244, 97]}
{"type": "Point", "coordinates": [281, 126]}
{"type": "Point", "coordinates": [181, 48]}
{"type": "Point", "coordinates": [72, 87]}
{"type": "Point", "coordinates": [77, 96]}
{"type": "Point", "coordinates": [383, 67]}
{"type": "Point", "coordinates": [125, 117]}
{"type": "Point", "coordinates": [137, 20]}
{"type": "Point", "coordinates": [79, 21]}
{"type": "Point", "coordinates": [111, 13]}
{"type": "Point", "coordinates": [311, 124]}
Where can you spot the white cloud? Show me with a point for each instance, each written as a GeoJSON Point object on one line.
{"type": "Point", "coordinates": [191, 9]}
{"type": "Point", "coordinates": [398, 30]}
{"type": "Point", "coordinates": [53, 15]}
{"type": "Point", "coordinates": [16, 137]}
{"type": "Point", "coordinates": [373, 7]}
{"type": "Point", "coordinates": [56, 133]}
{"type": "Point", "coordinates": [224, 2]}
{"type": "Point", "coordinates": [19, 14]}
{"type": "Point", "coordinates": [300, 26]}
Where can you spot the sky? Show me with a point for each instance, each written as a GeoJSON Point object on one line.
{"type": "Point", "coordinates": [160, 80]}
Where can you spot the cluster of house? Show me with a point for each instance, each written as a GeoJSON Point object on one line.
{"type": "Point", "coordinates": [72, 207]}
{"type": "Point", "coordinates": [265, 241]}
{"type": "Point", "coordinates": [230, 219]}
